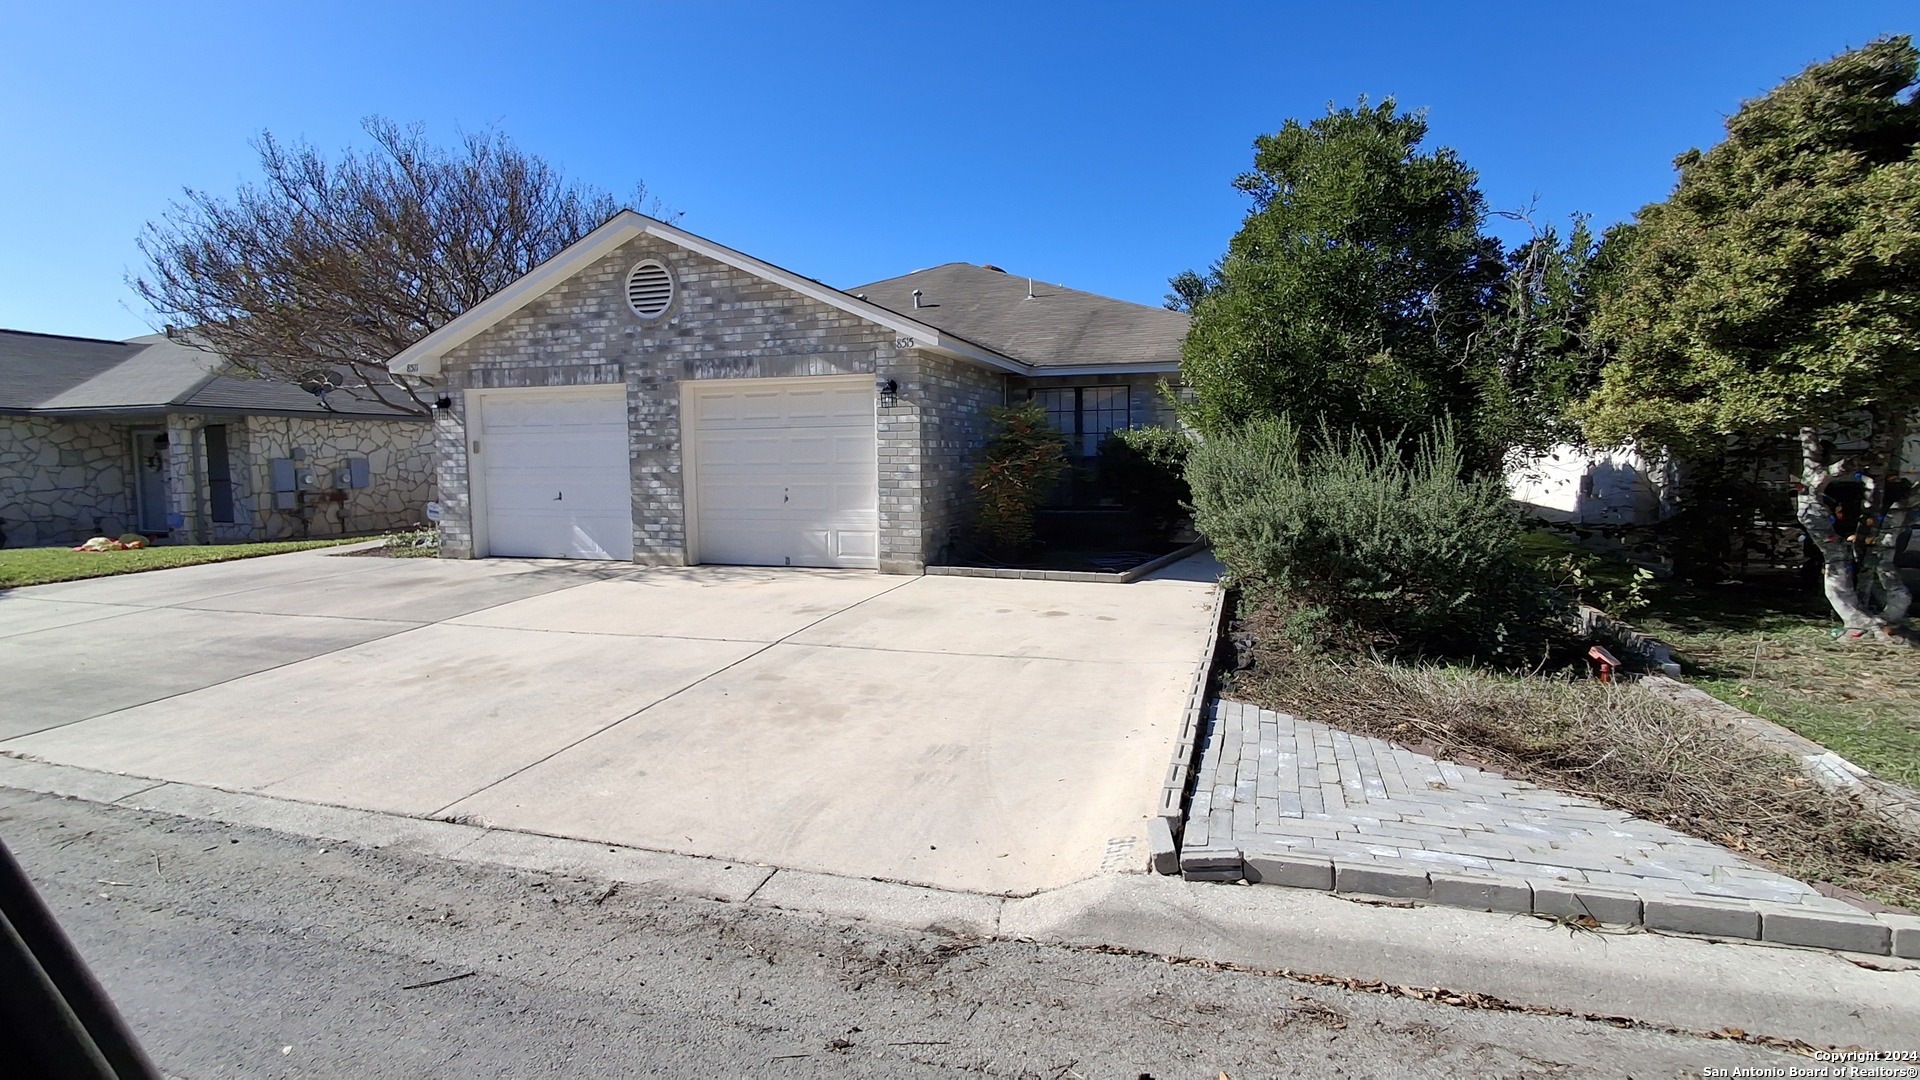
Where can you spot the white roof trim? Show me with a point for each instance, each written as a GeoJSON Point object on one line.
{"type": "Point", "coordinates": [1040, 371]}
{"type": "Point", "coordinates": [423, 356]}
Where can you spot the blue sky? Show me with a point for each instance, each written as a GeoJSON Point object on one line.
{"type": "Point", "coordinates": [1085, 144]}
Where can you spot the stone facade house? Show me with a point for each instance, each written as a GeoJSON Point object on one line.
{"type": "Point", "coordinates": [653, 396]}
{"type": "Point", "coordinates": [104, 438]}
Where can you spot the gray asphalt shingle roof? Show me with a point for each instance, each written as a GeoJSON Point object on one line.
{"type": "Point", "coordinates": [1058, 327]}
{"type": "Point", "coordinates": [47, 373]}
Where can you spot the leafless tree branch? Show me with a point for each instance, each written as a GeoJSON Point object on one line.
{"type": "Point", "coordinates": [342, 264]}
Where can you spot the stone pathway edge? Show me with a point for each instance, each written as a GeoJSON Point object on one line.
{"type": "Point", "coordinates": [1176, 792]}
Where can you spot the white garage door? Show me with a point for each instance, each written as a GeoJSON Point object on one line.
{"type": "Point", "coordinates": [557, 482]}
{"type": "Point", "coordinates": [785, 474]}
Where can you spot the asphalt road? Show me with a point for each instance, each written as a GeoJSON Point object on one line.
{"type": "Point", "coordinates": [241, 952]}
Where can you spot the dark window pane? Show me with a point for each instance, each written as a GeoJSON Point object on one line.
{"type": "Point", "coordinates": [219, 474]}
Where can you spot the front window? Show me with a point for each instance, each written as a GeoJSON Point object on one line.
{"type": "Point", "coordinates": [1085, 415]}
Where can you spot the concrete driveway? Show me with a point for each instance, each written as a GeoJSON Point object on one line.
{"type": "Point", "coordinates": [987, 735]}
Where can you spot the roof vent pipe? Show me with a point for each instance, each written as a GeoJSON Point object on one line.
{"type": "Point", "coordinates": [916, 299]}
{"type": "Point", "coordinates": [1029, 288]}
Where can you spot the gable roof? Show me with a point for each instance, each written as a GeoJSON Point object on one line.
{"type": "Point", "coordinates": [1054, 327]}
{"type": "Point", "coordinates": [52, 374]}
{"type": "Point", "coordinates": [423, 356]}
{"type": "Point", "coordinates": [1074, 330]}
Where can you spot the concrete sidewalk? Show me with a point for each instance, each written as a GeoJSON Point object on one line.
{"type": "Point", "coordinates": [992, 736]}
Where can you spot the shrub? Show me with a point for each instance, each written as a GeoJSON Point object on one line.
{"type": "Point", "coordinates": [1145, 468]}
{"type": "Point", "coordinates": [1024, 458]}
{"type": "Point", "coordinates": [1385, 544]}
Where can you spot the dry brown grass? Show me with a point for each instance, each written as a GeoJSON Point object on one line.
{"type": "Point", "coordinates": [1618, 745]}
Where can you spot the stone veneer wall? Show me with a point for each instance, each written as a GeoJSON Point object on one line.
{"type": "Point", "coordinates": [723, 324]}
{"type": "Point", "coordinates": [62, 481]}
{"type": "Point", "coordinates": [399, 456]}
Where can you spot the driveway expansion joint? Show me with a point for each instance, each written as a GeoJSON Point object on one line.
{"type": "Point", "coordinates": [1284, 801]}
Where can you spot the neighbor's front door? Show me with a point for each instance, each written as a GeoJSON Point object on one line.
{"type": "Point", "coordinates": [150, 467]}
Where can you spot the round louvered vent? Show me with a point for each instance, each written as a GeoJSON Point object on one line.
{"type": "Point", "coordinates": [649, 289]}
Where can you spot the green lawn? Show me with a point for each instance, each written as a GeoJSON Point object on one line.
{"type": "Point", "coordinates": [1766, 646]}
{"type": "Point", "coordinates": [39, 566]}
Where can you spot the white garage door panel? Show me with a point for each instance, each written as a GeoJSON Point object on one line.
{"type": "Point", "coordinates": [557, 480]}
{"type": "Point", "coordinates": [787, 476]}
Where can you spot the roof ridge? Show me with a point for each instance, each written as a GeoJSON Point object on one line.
{"type": "Point", "coordinates": [71, 337]}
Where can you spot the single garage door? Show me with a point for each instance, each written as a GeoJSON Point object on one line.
{"type": "Point", "coordinates": [785, 473]}
{"type": "Point", "coordinates": [557, 482]}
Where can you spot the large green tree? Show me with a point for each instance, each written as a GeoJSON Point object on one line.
{"type": "Point", "coordinates": [1356, 288]}
{"type": "Point", "coordinates": [1777, 293]}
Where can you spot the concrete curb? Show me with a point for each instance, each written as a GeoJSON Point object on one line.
{"type": "Point", "coordinates": [1756, 921]}
{"type": "Point", "coordinates": [1175, 789]}
{"type": "Point", "coordinates": [1126, 577]}
{"type": "Point", "coordinates": [1694, 985]}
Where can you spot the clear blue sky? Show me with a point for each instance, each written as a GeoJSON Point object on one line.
{"type": "Point", "coordinates": [1091, 145]}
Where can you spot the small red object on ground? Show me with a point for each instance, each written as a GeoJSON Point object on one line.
{"type": "Point", "coordinates": [1605, 660]}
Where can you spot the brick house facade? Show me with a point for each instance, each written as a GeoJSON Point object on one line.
{"type": "Point", "coordinates": [731, 322]}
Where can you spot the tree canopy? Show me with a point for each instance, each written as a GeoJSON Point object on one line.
{"type": "Point", "coordinates": [1356, 287]}
{"type": "Point", "coordinates": [1776, 292]}
{"type": "Point", "coordinates": [1779, 285]}
{"type": "Point", "coordinates": [338, 265]}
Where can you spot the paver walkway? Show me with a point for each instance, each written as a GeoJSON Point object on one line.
{"type": "Point", "coordinates": [1276, 785]}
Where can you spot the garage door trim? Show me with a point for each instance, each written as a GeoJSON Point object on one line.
{"type": "Point", "coordinates": [690, 393]}
{"type": "Point", "coordinates": [474, 431]}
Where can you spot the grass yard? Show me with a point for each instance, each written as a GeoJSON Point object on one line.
{"type": "Point", "coordinates": [1765, 646]}
{"type": "Point", "coordinates": [41, 566]}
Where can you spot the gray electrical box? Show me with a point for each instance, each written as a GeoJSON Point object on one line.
{"type": "Point", "coordinates": [359, 475]}
{"type": "Point", "coordinates": [284, 483]}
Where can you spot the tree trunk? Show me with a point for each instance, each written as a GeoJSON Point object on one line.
{"type": "Point", "coordinates": [1836, 552]}
{"type": "Point", "coordinates": [1864, 560]}
{"type": "Point", "coordinates": [1890, 517]}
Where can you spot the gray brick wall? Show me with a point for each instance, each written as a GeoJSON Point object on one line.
{"type": "Point", "coordinates": [723, 324]}
{"type": "Point", "coordinates": [960, 394]}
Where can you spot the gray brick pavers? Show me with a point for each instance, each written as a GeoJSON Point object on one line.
{"type": "Point", "coordinates": [1304, 803]}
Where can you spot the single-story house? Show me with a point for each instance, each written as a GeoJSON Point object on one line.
{"type": "Point", "coordinates": [650, 395]}
{"type": "Point", "coordinates": [151, 436]}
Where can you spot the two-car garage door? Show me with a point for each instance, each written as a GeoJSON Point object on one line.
{"type": "Point", "coordinates": [778, 473]}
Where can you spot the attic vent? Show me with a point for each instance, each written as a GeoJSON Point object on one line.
{"type": "Point", "coordinates": [649, 289]}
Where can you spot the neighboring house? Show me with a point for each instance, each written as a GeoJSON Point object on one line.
{"type": "Point", "coordinates": [650, 395]}
{"type": "Point", "coordinates": [103, 438]}
{"type": "Point", "coordinates": [1580, 486]}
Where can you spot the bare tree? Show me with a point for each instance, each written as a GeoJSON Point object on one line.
{"type": "Point", "coordinates": [324, 270]}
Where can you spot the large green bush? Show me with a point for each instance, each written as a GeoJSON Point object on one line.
{"type": "Point", "coordinates": [1145, 468]}
{"type": "Point", "coordinates": [1024, 458]}
{"type": "Point", "coordinates": [1373, 545]}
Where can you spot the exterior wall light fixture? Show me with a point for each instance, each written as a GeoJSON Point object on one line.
{"type": "Point", "coordinates": [889, 393]}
